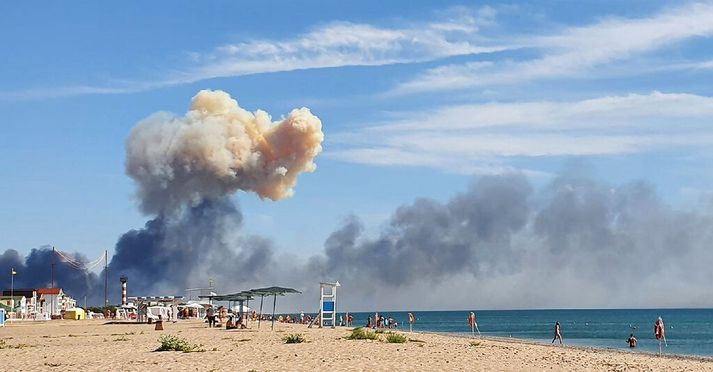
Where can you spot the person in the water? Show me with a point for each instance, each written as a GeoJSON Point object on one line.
{"type": "Point", "coordinates": [632, 340]}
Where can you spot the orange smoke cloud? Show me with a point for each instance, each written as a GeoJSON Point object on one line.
{"type": "Point", "coordinates": [218, 148]}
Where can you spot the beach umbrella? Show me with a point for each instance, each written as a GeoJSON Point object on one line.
{"type": "Point", "coordinates": [274, 292]}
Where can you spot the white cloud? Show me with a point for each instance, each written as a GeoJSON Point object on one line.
{"type": "Point", "coordinates": [455, 137]}
{"type": "Point", "coordinates": [574, 52]}
{"type": "Point", "coordinates": [349, 44]}
{"type": "Point", "coordinates": [454, 32]}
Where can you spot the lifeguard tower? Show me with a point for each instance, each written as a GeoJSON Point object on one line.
{"type": "Point", "coordinates": [328, 304]}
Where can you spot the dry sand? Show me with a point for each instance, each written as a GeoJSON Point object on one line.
{"type": "Point", "coordinates": [94, 346]}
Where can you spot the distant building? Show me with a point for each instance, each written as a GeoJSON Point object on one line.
{"type": "Point", "coordinates": [20, 309]}
{"type": "Point", "coordinates": [53, 301]}
{"type": "Point", "coordinates": [29, 301]}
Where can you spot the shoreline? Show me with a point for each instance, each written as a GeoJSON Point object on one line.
{"type": "Point", "coordinates": [97, 346]}
{"type": "Point", "coordinates": [526, 341]}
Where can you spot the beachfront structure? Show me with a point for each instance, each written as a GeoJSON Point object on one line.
{"type": "Point", "coordinates": [29, 304]}
{"type": "Point", "coordinates": [328, 304]}
{"type": "Point", "coordinates": [53, 301]}
{"type": "Point", "coordinates": [123, 281]}
{"type": "Point", "coordinates": [20, 303]}
{"type": "Point", "coordinates": [143, 303]}
{"type": "Point", "coordinates": [76, 313]}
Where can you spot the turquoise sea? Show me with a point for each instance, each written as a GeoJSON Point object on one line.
{"type": "Point", "coordinates": [688, 331]}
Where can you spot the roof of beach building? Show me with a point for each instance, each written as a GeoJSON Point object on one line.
{"type": "Point", "coordinates": [27, 292]}
{"type": "Point", "coordinates": [49, 291]}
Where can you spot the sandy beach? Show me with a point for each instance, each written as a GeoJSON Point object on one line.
{"type": "Point", "coordinates": [96, 346]}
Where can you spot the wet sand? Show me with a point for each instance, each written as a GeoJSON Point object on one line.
{"type": "Point", "coordinates": [96, 346]}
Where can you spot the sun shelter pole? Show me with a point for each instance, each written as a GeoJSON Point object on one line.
{"type": "Point", "coordinates": [274, 302]}
{"type": "Point", "coordinates": [262, 297]}
{"type": "Point", "coordinates": [247, 305]}
{"type": "Point", "coordinates": [240, 310]}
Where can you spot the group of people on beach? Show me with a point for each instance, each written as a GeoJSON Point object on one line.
{"type": "Point", "coordinates": [659, 333]}
{"type": "Point", "coordinates": [380, 321]}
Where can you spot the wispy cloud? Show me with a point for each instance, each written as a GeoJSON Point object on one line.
{"type": "Point", "coordinates": [574, 52]}
{"type": "Point", "coordinates": [351, 44]}
{"type": "Point", "coordinates": [454, 137]}
{"type": "Point", "coordinates": [453, 33]}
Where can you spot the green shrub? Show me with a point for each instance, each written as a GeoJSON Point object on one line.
{"type": "Point", "coordinates": [294, 339]}
{"type": "Point", "coordinates": [395, 338]}
{"type": "Point", "coordinates": [362, 334]}
{"type": "Point", "coordinates": [174, 343]}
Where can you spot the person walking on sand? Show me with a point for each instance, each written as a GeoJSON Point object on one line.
{"type": "Point", "coordinates": [558, 333]}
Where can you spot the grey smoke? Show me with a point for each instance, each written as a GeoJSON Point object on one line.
{"type": "Point", "coordinates": [172, 253]}
{"type": "Point", "coordinates": [429, 240]}
{"type": "Point", "coordinates": [576, 242]}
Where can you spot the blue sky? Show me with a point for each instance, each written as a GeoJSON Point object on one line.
{"type": "Point", "coordinates": [416, 99]}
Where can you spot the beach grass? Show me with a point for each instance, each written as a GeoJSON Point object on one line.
{"type": "Point", "coordinates": [362, 334]}
{"type": "Point", "coordinates": [294, 338]}
{"type": "Point", "coordinates": [396, 338]}
{"type": "Point", "coordinates": [174, 343]}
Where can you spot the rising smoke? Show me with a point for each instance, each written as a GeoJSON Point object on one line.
{"type": "Point", "coordinates": [577, 242]}
{"type": "Point", "coordinates": [186, 169]}
{"type": "Point", "coordinates": [216, 149]}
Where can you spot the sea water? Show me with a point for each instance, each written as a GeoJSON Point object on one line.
{"type": "Point", "coordinates": [688, 331]}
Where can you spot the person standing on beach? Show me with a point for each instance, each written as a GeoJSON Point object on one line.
{"type": "Point", "coordinates": [368, 322]}
{"type": "Point", "coordinates": [659, 330]}
{"type": "Point", "coordinates": [558, 333]}
{"type": "Point", "coordinates": [211, 317]}
{"type": "Point", "coordinates": [472, 323]}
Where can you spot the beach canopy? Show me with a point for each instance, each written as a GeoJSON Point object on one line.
{"type": "Point", "coordinates": [274, 292]}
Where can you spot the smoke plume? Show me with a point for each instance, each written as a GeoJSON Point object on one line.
{"type": "Point", "coordinates": [576, 242]}
{"type": "Point", "coordinates": [186, 169]}
{"type": "Point", "coordinates": [216, 149]}
{"type": "Point", "coordinates": [35, 271]}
